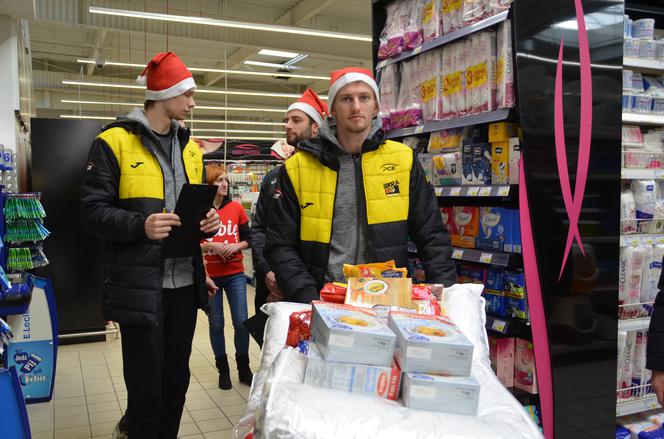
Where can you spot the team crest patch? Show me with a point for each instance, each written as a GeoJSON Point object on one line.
{"type": "Point", "coordinates": [391, 188]}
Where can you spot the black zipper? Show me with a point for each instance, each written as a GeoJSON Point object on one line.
{"type": "Point", "coordinates": [363, 198]}
{"type": "Point", "coordinates": [357, 165]}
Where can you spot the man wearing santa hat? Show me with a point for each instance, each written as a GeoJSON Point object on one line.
{"type": "Point", "coordinates": [349, 197]}
{"type": "Point", "coordinates": [302, 120]}
{"type": "Point", "coordinates": [135, 171]}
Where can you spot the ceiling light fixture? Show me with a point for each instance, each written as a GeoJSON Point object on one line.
{"type": "Point", "coordinates": [271, 65]}
{"type": "Point", "coordinates": [200, 107]}
{"type": "Point", "coordinates": [198, 90]}
{"type": "Point", "coordinates": [76, 116]}
{"type": "Point", "coordinates": [278, 53]}
{"type": "Point", "coordinates": [210, 70]}
{"type": "Point", "coordinates": [227, 23]}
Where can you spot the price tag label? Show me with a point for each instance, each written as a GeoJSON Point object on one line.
{"type": "Point", "coordinates": [473, 191]}
{"type": "Point", "coordinates": [439, 191]}
{"type": "Point", "coordinates": [485, 258]}
{"type": "Point", "coordinates": [381, 64]}
{"type": "Point", "coordinates": [417, 50]}
{"type": "Point", "coordinates": [503, 191]}
{"type": "Point", "coordinates": [455, 191]}
{"type": "Point", "coordinates": [499, 325]}
{"type": "Point", "coordinates": [485, 191]}
{"type": "Point", "coordinates": [419, 129]}
{"type": "Point", "coordinates": [659, 173]}
{"type": "Point", "coordinates": [634, 241]}
{"type": "Point", "coordinates": [659, 239]}
{"type": "Point", "coordinates": [457, 253]}
{"type": "Point", "coordinates": [648, 240]}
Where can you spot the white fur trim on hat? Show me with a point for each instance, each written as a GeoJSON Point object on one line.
{"type": "Point", "coordinates": [175, 90]}
{"type": "Point", "coordinates": [307, 109]}
{"type": "Point", "coordinates": [347, 79]}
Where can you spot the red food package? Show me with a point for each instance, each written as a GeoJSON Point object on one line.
{"type": "Point", "coordinates": [333, 292]}
{"type": "Point", "coordinates": [422, 292]}
{"type": "Point", "coordinates": [299, 329]}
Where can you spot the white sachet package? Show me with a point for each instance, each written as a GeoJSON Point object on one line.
{"type": "Point", "coordinates": [646, 277]}
{"type": "Point", "coordinates": [645, 199]}
{"type": "Point", "coordinates": [504, 66]}
{"type": "Point", "coordinates": [627, 212]}
{"type": "Point", "coordinates": [656, 270]}
{"type": "Point", "coordinates": [627, 366]}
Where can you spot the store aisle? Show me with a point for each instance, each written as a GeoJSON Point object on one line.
{"type": "Point", "coordinates": [90, 396]}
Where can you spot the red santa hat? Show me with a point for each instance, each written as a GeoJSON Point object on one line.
{"type": "Point", "coordinates": [166, 77]}
{"type": "Point", "coordinates": [341, 78]}
{"type": "Point", "coordinates": [311, 105]}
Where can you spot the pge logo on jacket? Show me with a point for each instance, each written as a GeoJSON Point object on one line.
{"type": "Point", "coordinates": [389, 167]}
{"type": "Point", "coordinates": [391, 188]}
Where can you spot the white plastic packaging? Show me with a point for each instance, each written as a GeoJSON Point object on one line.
{"type": "Point", "coordinates": [452, 15]}
{"type": "Point", "coordinates": [429, 89]}
{"type": "Point", "coordinates": [409, 111]}
{"type": "Point", "coordinates": [627, 212]}
{"type": "Point", "coordinates": [656, 270]}
{"type": "Point", "coordinates": [389, 93]}
{"type": "Point", "coordinates": [413, 34]}
{"type": "Point", "coordinates": [644, 29]}
{"type": "Point", "coordinates": [504, 67]}
{"type": "Point", "coordinates": [431, 16]}
{"type": "Point", "coordinates": [475, 10]}
{"type": "Point", "coordinates": [646, 277]}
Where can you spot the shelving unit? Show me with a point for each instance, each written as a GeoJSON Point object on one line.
{"type": "Point", "coordinates": [644, 65]}
{"type": "Point", "coordinates": [640, 324]}
{"type": "Point", "coordinates": [642, 174]}
{"type": "Point", "coordinates": [447, 38]}
{"type": "Point", "coordinates": [438, 125]}
{"type": "Point", "coordinates": [637, 406]}
{"type": "Point", "coordinates": [643, 118]}
{"type": "Point", "coordinates": [639, 239]}
{"type": "Point", "coordinates": [508, 327]}
{"type": "Point", "coordinates": [500, 259]}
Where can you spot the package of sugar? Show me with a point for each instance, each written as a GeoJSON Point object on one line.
{"type": "Point", "coordinates": [504, 66]}
{"type": "Point", "coordinates": [429, 67]}
{"type": "Point", "coordinates": [383, 381]}
{"type": "Point", "coordinates": [459, 395]}
{"type": "Point", "coordinates": [430, 344]}
{"type": "Point", "coordinates": [348, 334]}
{"type": "Point", "coordinates": [452, 15]}
{"type": "Point", "coordinates": [431, 15]}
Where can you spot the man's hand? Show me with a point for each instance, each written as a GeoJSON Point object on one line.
{"type": "Point", "coordinates": [159, 225]}
{"type": "Point", "coordinates": [211, 287]}
{"type": "Point", "coordinates": [658, 385]}
{"type": "Point", "coordinates": [275, 294]}
{"type": "Point", "coordinates": [211, 222]}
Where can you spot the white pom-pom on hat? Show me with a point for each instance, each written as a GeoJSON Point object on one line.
{"type": "Point", "coordinates": [142, 80]}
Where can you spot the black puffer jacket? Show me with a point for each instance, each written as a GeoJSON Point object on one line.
{"type": "Point", "coordinates": [655, 347]}
{"type": "Point", "coordinates": [301, 223]}
{"type": "Point", "coordinates": [122, 185]}
{"type": "Point", "coordinates": [259, 222]}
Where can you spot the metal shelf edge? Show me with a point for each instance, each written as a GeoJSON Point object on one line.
{"type": "Point", "coordinates": [473, 119]}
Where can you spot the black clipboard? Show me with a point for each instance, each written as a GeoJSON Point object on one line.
{"type": "Point", "coordinates": [193, 204]}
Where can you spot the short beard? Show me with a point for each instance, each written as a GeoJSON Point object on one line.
{"type": "Point", "coordinates": [306, 135]}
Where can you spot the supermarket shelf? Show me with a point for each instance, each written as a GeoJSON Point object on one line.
{"type": "Point", "coordinates": [647, 65]}
{"type": "Point", "coordinates": [508, 327]}
{"type": "Point", "coordinates": [476, 191]}
{"type": "Point", "coordinates": [473, 119]}
{"type": "Point", "coordinates": [637, 406]}
{"type": "Point", "coordinates": [524, 397]}
{"type": "Point", "coordinates": [641, 239]}
{"type": "Point", "coordinates": [643, 118]}
{"type": "Point", "coordinates": [642, 174]}
{"type": "Point", "coordinates": [509, 260]}
{"type": "Point", "coordinates": [634, 324]}
{"type": "Point", "coordinates": [483, 24]}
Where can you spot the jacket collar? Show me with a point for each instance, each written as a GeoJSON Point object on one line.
{"type": "Point", "coordinates": [136, 122]}
{"type": "Point", "coordinates": [326, 146]}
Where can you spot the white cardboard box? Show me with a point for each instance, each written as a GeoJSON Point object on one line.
{"type": "Point", "coordinates": [430, 344]}
{"type": "Point", "coordinates": [441, 393]}
{"type": "Point", "coordinates": [355, 378]}
{"type": "Point", "coordinates": [348, 334]}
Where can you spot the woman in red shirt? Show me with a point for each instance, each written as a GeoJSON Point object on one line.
{"type": "Point", "coordinates": [223, 261]}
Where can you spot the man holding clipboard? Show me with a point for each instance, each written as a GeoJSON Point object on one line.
{"type": "Point", "coordinates": [153, 283]}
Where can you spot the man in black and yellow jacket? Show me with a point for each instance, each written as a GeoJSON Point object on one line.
{"type": "Point", "coordinates": [350, 196]}
{"type": "Point", "coordinates": [134, 175]}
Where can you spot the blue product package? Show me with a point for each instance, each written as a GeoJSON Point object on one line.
{"type": "Point", "coordinates": [477, 274]}
{"type": "Point", "coordinates": [481, 163]}
{"type": "Point", "coordinates": [467, 164]}
{"type": "Point", "coordinates": [656, 432]}
{"type": "Point", "coordinates": [622, 432]}
{"type": "Point", "coordinates": [516, 232]}
{"type": "Point", "coordinates": [495, 228]}
{"type": "Point", "coordinates": [516, 299]}
{"type": "Point", "coordinates": [495, 279]}
{"type": "Point", "coordinates": [495, 303]}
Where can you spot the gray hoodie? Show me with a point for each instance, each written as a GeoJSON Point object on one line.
{"type": "Point", "coordinates": [178, 272]}
{"type": "Point", "coordinates": [349, 243]}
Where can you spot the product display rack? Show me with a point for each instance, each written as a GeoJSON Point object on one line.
{"type": "Point", "coordinates": [635, 317]}
{"type": "Point", "coordinates": [498, 195]}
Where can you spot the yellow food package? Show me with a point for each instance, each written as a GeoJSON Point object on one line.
{"type": "Point", "coordinates": [366, 292]}
{"type": "Point", "coordinates": [377, 269]}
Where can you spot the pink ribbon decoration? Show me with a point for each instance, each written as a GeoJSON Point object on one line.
{"type": "Point", "coordinates": [536, 304]}
{"type": "Point", "coordinates": [573, 204]}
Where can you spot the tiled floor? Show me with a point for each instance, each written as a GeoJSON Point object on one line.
{"type": "Point", "coordinates": [90, 396]}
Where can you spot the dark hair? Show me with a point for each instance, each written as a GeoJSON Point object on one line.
{"type": "Point", "coordinates": [147, 104]}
